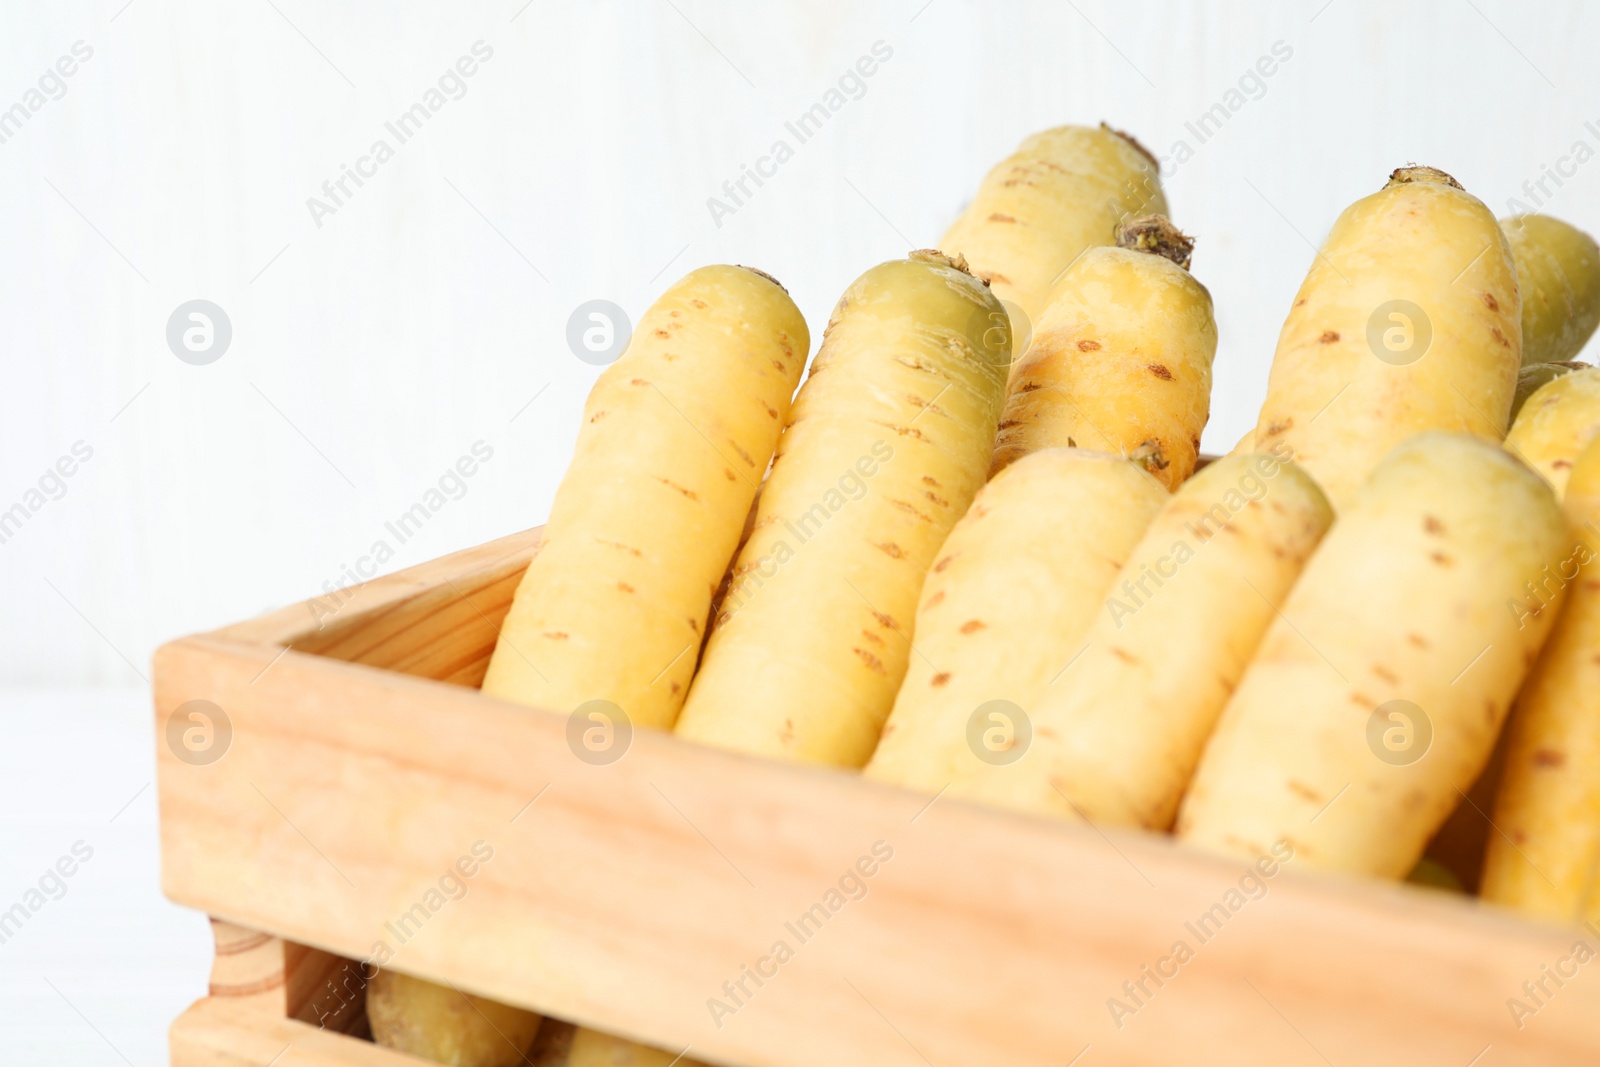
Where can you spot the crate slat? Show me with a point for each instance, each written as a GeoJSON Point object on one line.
{"type": "Point", "coordinates": [624, 896]}
{"type": "Point", "coordinates": [220, 1032]}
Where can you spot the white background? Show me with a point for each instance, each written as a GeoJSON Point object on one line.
{"type": "Point", "coordinates": [424, 315]}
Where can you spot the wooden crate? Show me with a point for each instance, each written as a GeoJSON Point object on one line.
{"type": "Point", "coordinates": [363, 765]}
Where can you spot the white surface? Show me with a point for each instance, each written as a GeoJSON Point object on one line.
{"type": "Point", "coordinates": [94, 975]}
{"type": "Point", "coordinates": [407, 328]}
{"type": "Point", "coordinates": [372, 352]}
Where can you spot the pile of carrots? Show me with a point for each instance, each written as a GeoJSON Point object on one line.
{"type": "Point", "coordinates": [978, 552]}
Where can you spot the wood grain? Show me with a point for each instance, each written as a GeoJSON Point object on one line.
{"type": "Point", "coordinates": [438, 620]}
{"type": "Point", "coordinates": [624, 896]}
{"type": "Point", "coordinates": [277, 979]}
{"type": "Point", "coordinates": [221, 1032]}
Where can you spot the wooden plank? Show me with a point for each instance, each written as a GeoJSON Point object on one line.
{"type": "Point", "coordinates": [357, 623]}
{"type": "Point", "coordinates": [216, 1032]}
{"type": "Point", "coordinates": [624, 897]}
{"type": "Point", "coordinates": [222, 1032]}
